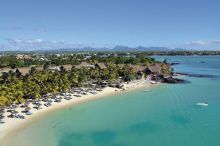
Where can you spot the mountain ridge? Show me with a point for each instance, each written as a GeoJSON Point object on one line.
{"type": "Point", "coordinates": [116, 48]}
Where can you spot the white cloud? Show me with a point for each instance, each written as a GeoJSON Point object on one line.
{"type": "Point", "coordinates": [216, 41]}
{"type": "Point", "coordinates": [20, 28]}
{"type": "Point", "coordinates": [203, 43]}
{"type": "Point", "coordinates": [11, 28]}
{"type": "Point", "coordinates": [199, 45]}
{"type": "Point", "coordinates": [40, 30]}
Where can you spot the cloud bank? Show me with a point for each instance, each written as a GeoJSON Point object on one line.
{"type": "Point", "coordinates": [20, 28]}
{"type": "Point", "coordinates": [201, 42]}
{"type": "Point", "coordinates": [11, 28]}
{"type": "Point", "coordinates": [201, 45]}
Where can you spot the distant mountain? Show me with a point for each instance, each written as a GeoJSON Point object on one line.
{"type": "Point", "coordinates": [121, 48]}
{"type": "Point", "coordinates": [142, 48]}
{"type": "Point", "coordinates": [116, 48]}
{"type": "Point", "coordinates": [181, 49]}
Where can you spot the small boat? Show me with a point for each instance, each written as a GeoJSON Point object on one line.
{"type": "Point", "coordinates": [153, 82]}
{"type": "Point", "coordinates": [146, 90]}
{"type": "Point", "coordinates": [202, 104]}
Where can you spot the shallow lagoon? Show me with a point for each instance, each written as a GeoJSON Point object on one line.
{"type": "Point", "coordinates": [164, 116]}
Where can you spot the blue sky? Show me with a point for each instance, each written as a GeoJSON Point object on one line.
{"type": "Point", "coordinates": [45, 24]}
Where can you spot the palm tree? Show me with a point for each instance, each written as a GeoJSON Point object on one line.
{"type": "Point", "coordinates": [73, 77]}
{"type": "Point", "coordinates": [62, 69]}
{"type": "Point", "coordinates": [5, 77]}
{"type": "Point", "coordinates": [18, 73]}
{"type": "Point", "coordinates": [94, 73]}
{"type": "Point", "coordinates": [46, 66]}
{"type": "Point", "coordinates": [32, 71]}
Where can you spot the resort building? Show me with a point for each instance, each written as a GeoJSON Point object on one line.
{"type": "Point", "coordinates": [101, 66]}
{"type": "Point", "coordinates": [19, 56]}
{"type": "Point", "coordinates": [68, 67]}
{"type": "Point", "coordinates": [84, 64]}
{"type": "Point", "coordinates": [138, 68]}
{"type": "Point", "coordinates": [54, 68]}
{"type": "Point", "coordinates": [154, 69]}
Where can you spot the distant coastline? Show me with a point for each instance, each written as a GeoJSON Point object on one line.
{"type": "Point", "coordinates": [119, 49]}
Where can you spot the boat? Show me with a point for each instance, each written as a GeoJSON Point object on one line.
{"type": "Point", "coordinates": [146, 90]}
{"type": "Point", "coordinates": [202, 104]}
{"type": "Point", "coordinates": [153, 82]}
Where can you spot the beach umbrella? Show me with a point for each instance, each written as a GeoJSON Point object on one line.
{"type": "Point", "coordinates": [10, 110]}
{"type": "Point", "coordinates": [1, 122]}
{"type": "Point", "coordinates": [1, 116]}
{"type": "Point", "coordinates": [1, 108]}
{"type": "Point", "coordinates": [11, 115]}
{"type": "Point", "coordinates": [24, 105]}
{"type": "Point", "coordinates": [27, 108]}
{"type": "Point", "coordinates": [37, 100]}
{"type": "Point", "coordinates": [2, 111]}
{"type": "Point", "coordinates": [14, 112]}
{"type": "Point", "coordinates": [14, 106]}
{"type": "Point", "coordinates": [39, 104]}
{"type": "Point", "coordinates": [27, 103]}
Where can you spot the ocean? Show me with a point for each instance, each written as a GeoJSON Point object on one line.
{"type": "Point", "coordinates": [166, 115]}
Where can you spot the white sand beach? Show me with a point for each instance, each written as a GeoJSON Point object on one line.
{"type": "Point", "coordinates": [11, 125]}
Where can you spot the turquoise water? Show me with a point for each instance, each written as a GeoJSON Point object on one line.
{"type": "Point", "coordinates": [164, 116]}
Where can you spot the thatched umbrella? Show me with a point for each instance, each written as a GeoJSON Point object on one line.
{"type": "Point", "coordinates": [27, 108]}
{"type": "Point", "coordinates": [1, 122]}
{"type": "Point", "coordinates": [10, 110]}
{"type": "Point", "coordinates": [27, 103]}
{"type": "Point", "coordinates": [1, 117]}
{"type": "Point", "coordinates": [14, 112]}
{"type": "Point", "coordinates": [2, 111]}
{"type": "Point", "coordinates": [39, 104]}
{"type": "Point", "coordinates": [2, 108]}
{"type": "Point", "coordinates": [24, 105]}
{"type": "Point", "coordinates": [14, 106]}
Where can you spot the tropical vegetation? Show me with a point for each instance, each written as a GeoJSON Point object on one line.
{"type": "Point", "coordinates": [15, 87]}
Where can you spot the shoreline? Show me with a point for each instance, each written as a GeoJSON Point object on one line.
{"type": "Point", "coordinates": [13, 125]}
